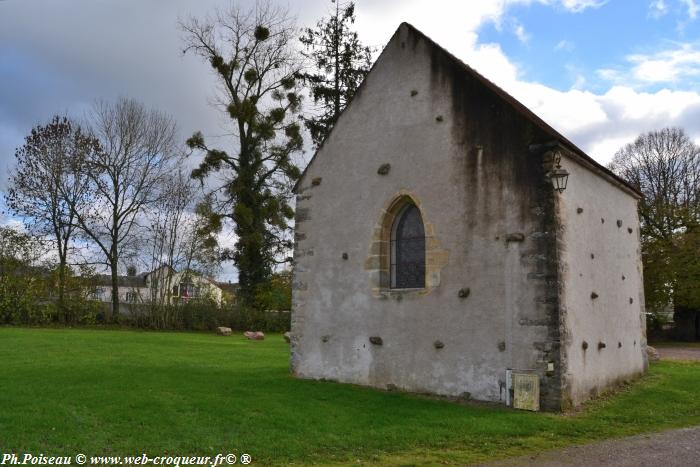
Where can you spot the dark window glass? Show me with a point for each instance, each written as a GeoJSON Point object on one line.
{"type": "Point", "coordinates": [408, 250]}
{"type": "Point", "coordinates": [187, 289]}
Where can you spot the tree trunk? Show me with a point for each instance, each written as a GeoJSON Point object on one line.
{"type": "Point", "coordinates": [115, 291]}
{"type": "Point", "coordinates": [250, 257]}
{"type": "Point", "coordinates": [62, 310]}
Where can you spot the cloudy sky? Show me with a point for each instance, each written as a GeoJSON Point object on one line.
{"type": "Point", "coordinates": [599, 71]}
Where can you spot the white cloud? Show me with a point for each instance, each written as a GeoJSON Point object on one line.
{"type": "Point", "coordinates": [676, 65]}
{"type": "Point", "coordinates": [564, 45]}
{"type": "Point", "coordinates": [580, 5]}
{"type": "Point", "coordinates": [579, 78]}
{"type": "Point", "coordinates": [609, 146]}
{"type": "Point", "coordinates": [693, 8]}
{"type": "Point", "coordinates": [666, 66]}
{"type": "Point", "coordinates": [521, 33]}
{"type": "Point", "coordinates": [463, 21]}
{"type": "Point", "coordinates": [658, 8]}
{"type": "Point", "coordinates": [579, 82]}
{"type": "Point", "coordinates": [609, 74]}
{"type": "Point", "coordinates": [600, 123]}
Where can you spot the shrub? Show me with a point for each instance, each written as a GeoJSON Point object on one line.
{"type": "Point", "coordinates": [202, 316]}
{"type": "Point", "coordinates": [246, 319]}
{"type": "Point", "coordinates": [29, 299]}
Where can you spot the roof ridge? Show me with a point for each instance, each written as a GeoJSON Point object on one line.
{"type": "Point", "coordinates": [523, 109]}
{"type": "Point", "coordinates": [502, 94]}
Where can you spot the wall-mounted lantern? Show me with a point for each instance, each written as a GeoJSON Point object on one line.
{"type": "Point", "coordinates": [559, 176]}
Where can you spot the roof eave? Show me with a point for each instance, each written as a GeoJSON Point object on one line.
{"type": "Point", "coordinates": [518, 107]}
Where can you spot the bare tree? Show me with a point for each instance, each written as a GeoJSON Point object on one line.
{"type": "Point", "coordinates": [179, 235]}
{"type": "Point", "coordinates": [126, 176]}
{"type": "Point", "coordinates": [201, 251]}
{"type": "Point", "coordinates": [166, 232]}
{"type": "Point", "coordinates": [179, 240]}
{"type": "Point", "coordinates": [257, 68]}
{"type": "Point", "coordinates": [46, 162]}
{"type": "Point", "coordinates": [665, 166]}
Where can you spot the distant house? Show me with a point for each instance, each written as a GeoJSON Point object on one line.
{"type": "Point", "coordinates": [229, 291]}
{"type": "Point", "coordinates": [162, 285]}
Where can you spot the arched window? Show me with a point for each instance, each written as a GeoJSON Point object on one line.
{"type": "Point", "coordinates": [408, 250]}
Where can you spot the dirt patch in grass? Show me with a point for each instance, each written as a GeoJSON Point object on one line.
{"type": "Point", "coordinates": [679, 353]}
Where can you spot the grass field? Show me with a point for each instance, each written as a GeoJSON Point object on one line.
{"type": "Point", "coordinates": [122, 392]}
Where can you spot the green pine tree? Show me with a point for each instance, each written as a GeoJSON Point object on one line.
{"type": "Point", "coordinates": [340, 63]}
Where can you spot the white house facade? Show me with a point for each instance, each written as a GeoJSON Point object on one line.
{"type": "Point", "coordinates": [163, 285]}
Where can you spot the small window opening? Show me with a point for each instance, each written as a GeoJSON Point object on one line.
{"type": "Point", "coordinates": [408, 250]}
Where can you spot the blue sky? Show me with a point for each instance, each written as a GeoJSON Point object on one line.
{"type": "Point", "coordinates": [563, 49]}
{"type": "Point", "coordinates": [601, 72]}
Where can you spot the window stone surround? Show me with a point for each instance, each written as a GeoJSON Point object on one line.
{"type": "Point", "coordinates": [378, 262]}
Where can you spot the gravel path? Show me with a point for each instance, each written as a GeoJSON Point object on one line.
{"type": "Point", "coordinates": [679, 353]}
{"type": "Point", "coordinates": [668, 449]}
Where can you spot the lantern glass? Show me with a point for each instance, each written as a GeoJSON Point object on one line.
{"type": "Point", "coordinates": [560, 177]}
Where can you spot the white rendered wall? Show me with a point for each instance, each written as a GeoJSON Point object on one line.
{"type": "Point", "coordinates": [474, 186]}
{"type": "Point", "coordinates": [597, 254]}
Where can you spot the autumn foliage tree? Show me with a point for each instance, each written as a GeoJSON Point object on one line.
{"type": "Point", "coordinates": [257, 69]}
{"type": "Point", "coordinates": [45, 190]}
{"type": "Point", "coordinates": [21, 288]}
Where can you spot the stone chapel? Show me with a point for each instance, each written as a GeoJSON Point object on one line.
{"type": "Point", "coordinates": [449, 241]}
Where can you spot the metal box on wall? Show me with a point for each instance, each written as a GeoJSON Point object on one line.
{"type": "Point", "coordinates": [526, 391]}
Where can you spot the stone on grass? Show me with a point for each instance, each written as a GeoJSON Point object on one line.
{"type": "Point", "coordinates": [223, 331]}
{"type": "Point", "coordinates": [254, 335]}
{"type": "Point", "coordinates": [652, 353]}
{"type": "Point", "coordinates": [287, 337]}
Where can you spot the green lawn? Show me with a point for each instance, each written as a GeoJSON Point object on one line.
{"type": "Point", "coordinates": [123, 392]}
